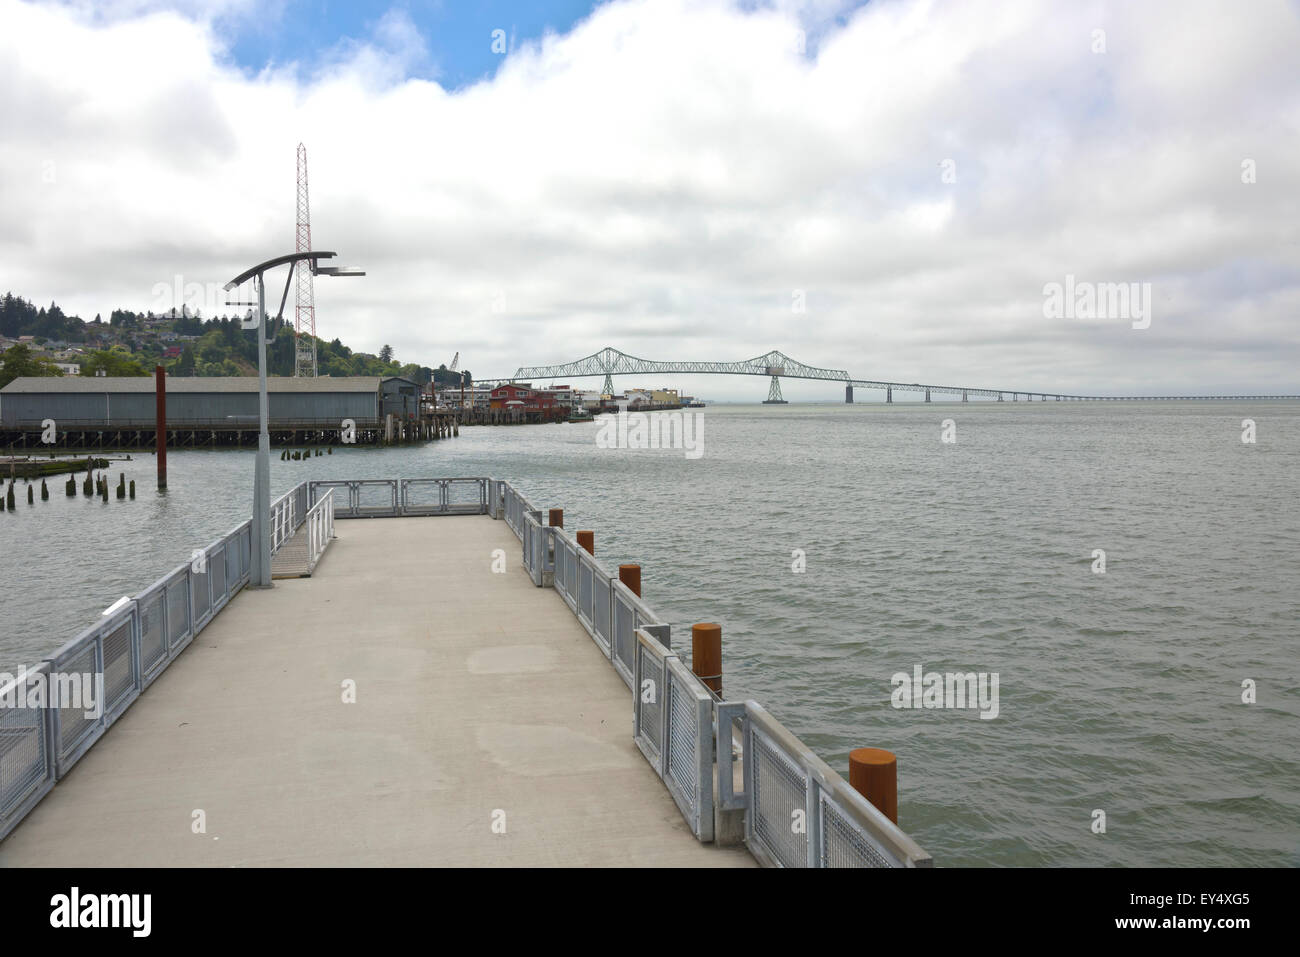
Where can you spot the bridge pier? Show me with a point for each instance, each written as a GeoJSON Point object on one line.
{"type": "Point", "coordinates": [889, 393]}
{"type": "Point", "coordinates": [927, 395]}
{"type": "Point", "coordinates": [848, 395]}
{"type": "Point", "coordinates": [963, 395]}
{"type": "Point", "coordinates": [999, 396]}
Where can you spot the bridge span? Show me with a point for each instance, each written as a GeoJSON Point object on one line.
{"type": "Point", "coordinates": [609, 362]}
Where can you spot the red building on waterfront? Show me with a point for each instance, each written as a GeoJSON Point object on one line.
{"type": "Point", "coordinates": [513, 397]}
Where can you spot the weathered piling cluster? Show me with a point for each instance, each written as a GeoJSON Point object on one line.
{"type": "Point", "coordinates": [297, 455]}
{"type": "Point", "coordinates": [93, 485]}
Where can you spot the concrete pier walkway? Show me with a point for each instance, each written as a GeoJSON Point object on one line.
{"type": "Point", "coordinates": [479, 699]}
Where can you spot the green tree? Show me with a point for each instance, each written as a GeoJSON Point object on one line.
{"type": "Point", "coordinates": [114, 361]}
{"type": "Point", "coordinates": [386, 354]}
{"type": "Point", "coordinates": [19, 361]}
{"type": "Point", "coordinates": [185, 364]}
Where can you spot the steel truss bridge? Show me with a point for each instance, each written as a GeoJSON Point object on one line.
{"type": "Point", "coordinates": [609, 362]}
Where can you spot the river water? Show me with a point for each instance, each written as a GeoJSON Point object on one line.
{"type": "Point", "coordinates": [1118, 691]}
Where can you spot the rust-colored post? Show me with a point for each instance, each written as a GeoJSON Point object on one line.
{"type": "Point", "coordinates": [706, 654]}
{"type": "Point", "coordinates": [630, 575]}
{"type": "Point", "coordinates": [160, 423]}
{"type": "Point", "coordinates": [873, 773]}
{"type": "Point", "coordinates": [587, 540]}
{"type": "Point", "coordinates": [556, 518]}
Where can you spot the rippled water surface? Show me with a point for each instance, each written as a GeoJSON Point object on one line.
{"type": "Point", "coordinates": [1120, 692]}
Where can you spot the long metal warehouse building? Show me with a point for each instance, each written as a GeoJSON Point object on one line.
{"type": "Point", "coordinates": [216, 405]}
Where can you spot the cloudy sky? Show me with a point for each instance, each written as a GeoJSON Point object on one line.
{"type": "Point", "coordinates": [884, 187]}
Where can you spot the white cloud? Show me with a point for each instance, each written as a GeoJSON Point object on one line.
{"type": "Point", "coordinates": [664, 176]}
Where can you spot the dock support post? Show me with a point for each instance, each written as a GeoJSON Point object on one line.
{"type": "Point", "coordinates": [587, 540]}
{"type": "Point", "coordinates": [706, 654]}
{"type": "Point", "coordinates": [873, 773]}
{"type": "Point", "coordinates": [630, 575]}
{"type": "Point", "coordinates": [556, 518]}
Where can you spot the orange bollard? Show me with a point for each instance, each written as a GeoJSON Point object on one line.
{"type": "Point", "coordinates": [630, 575]}
{"type": "Point", "coordinates": [873, 773]}
{"type": "Point", "coordinates": [587, 540]}
{"type": "Point", "coordinates": [557, 518]}
{"type": "Point", "coordinates": [706, 654]}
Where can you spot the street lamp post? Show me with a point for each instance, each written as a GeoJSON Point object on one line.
{"type": "Point", "coordinates": [260, 566]}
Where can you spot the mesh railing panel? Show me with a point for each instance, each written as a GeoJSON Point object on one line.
{"type": "Point", "coordinates": [199, 598]}
{"type": "Point", "coordinates": [844, 844]}
{"type": "Point", "coordinates": [178, 611]}
{"type": "Point", "coordinates": [651, 711]}
{"type": "Point", "coordinates": [73, 722]}
{"type": "Point", "coordinates": [779, 790]}
{"type": "Point", "coordinates": [153, 638]}
{"type": "Point", "coordinates": [584, 590]}
{"type": "Point", "coordinates": [683, 733]}
{"type": "Point", "coordinates": [232, 562]}
{"type": "Point", "coordinates": [217, 569]}
{"type": "Point", "coordinates": [119, 679]}
{"type": "Point", "coordinates": [624, 637]}
{"type": "Point", "coordinates": [23, 750]}
{"type": "Point", "coordinates": [600, 619]}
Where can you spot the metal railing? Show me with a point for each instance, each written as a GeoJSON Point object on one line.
{"type": "Point", "coordinates": [51, 715]}
{"type": "Point", "coordinates": [687, 733]}
{"type": "Point", "coordinates": [672, 724]}
{"type": "Point", "coordinates": [320, 528]}
{"type": "Point", "coordinates": [798, 811]}
{"type": "Point", "coordinates": [403, 498]}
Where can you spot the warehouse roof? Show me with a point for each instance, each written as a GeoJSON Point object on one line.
{"type": "Point", "coordinates": [69, 385]}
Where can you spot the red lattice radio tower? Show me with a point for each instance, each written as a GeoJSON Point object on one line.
{"type": "Point", "coordinates": [304, 321]}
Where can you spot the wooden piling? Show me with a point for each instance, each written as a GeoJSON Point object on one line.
{"type": "Point", "coordinates": [873, 773]}
{"type": "Point", "coordinates": [160, 422]}
{"type": "Point", "coordinates": [706, 654]}
{"type": "Point", "coordinates": [630, 575]}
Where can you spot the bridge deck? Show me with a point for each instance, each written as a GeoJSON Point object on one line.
{"type": "Point", "coordinates": [475, 693]}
